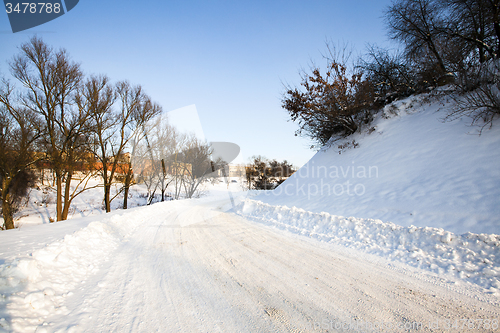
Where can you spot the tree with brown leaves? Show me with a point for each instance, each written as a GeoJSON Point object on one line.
{"type": "Point", "coordinates": [335, 104]}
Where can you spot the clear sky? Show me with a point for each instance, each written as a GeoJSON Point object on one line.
{"type": "Point", "coordinates": [230, 59]}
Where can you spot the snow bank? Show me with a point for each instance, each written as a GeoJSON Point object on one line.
{"type": "Point", "coordinates": [37, 279]}
{"type": "Point", "coordinates": [33, 288]}
{"type": "Point", "coordinates": [471, 257]}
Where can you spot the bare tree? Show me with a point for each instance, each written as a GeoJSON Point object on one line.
{"type": "Point", "coordinates": [51, 79]}
{"type": "Point", "coordinates": [18, 135]}
{"type": "Point", "coordinates": [418, 24]}
{"type": "Point", "coordinates": [473, 26]}
{"type": "Point", "coordinates": [389, 74]}
{"type": "Point", "coordinates": [146, 110]}
{"type": "Point", "coordinates": [461, 36]}
{"type": "Point", "coordinates": [166, 145]}
{"type": "Point", "coordinates": [116, 128]}
{"type": "Point", "coordinates": [164, 162]}
{"type": "Point", "coordinates": [107, 143]}
{"type": "Point", "coordinates": [478, 95]}
{"type": "Point", "coordinates": [146, 168]}
{"type": "Point", "coordinates": [195, 165]}
{"type": "Point", "coordinates": [97, 95]}
{"type": "Point", "coordinates": [171, 150]}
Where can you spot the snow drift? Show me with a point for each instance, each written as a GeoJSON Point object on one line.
{"type": "Point", "coordinates": [35, 287]}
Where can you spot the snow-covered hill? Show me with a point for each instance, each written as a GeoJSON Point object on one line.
{"type": "Point", "coordinates": [412, 169]}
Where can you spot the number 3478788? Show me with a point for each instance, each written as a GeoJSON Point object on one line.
{"type": "Point", "coordinates": [33, 8]}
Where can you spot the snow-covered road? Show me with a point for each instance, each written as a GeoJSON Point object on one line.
{"type": "Point", "coordinates": [188, 266]}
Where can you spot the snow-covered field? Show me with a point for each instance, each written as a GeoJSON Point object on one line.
{"type": "Point", "coordinates": [398, 234]}
{"type": "Point", "coordinates": [40, 207]}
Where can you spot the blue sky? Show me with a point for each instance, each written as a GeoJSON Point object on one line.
{"type": "Point", "coordinates": [228, 58]}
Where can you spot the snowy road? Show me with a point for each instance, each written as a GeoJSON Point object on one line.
{"type": "Point", "coordinates": [187, 266]}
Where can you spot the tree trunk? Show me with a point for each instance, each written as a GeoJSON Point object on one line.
{"type": "Point", "coordinates": [125, 198]}
{"type": "Point", "coordinates": [164, 172]}
{"type": "Point", "coordinates": [434, 50]}
{"type": "Point", "coordinates": [7, 214]}
{"type": "Point", "coordinates": [67, 189]}
{"type": "Point", "coordinates": [58, 197]}
{"type": "Point", "coordinates": [107, 186]}
{"type": "Point", "coordinates": [107, 197]}
{"type": "Point", "coordinates": [6, 208]}
{"type": "Point", "coordinates": [126, 185]}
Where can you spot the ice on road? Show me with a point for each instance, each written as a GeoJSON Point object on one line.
{"type": "Point", "coordinates": [191, 266]}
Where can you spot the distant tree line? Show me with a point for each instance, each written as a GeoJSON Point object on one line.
{"type": "Point", "coordinates": [265, 174]}
{"type": "Point", "coordinates": [62, 120]}
{"type": "Point", "coordinates": [455, 42]}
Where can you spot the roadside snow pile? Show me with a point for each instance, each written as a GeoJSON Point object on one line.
{"type": "Point", "coordinates": [33, 288]}
{"type": "Point", "coordinates": [471, 257]}
{"type": "Point", "coordinates": [37, 279]}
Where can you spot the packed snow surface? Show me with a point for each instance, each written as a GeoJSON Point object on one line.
{"type": "Point", "coordinates": [411, 169]}
{"type": "Point", "coordinates": [194, 266]}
